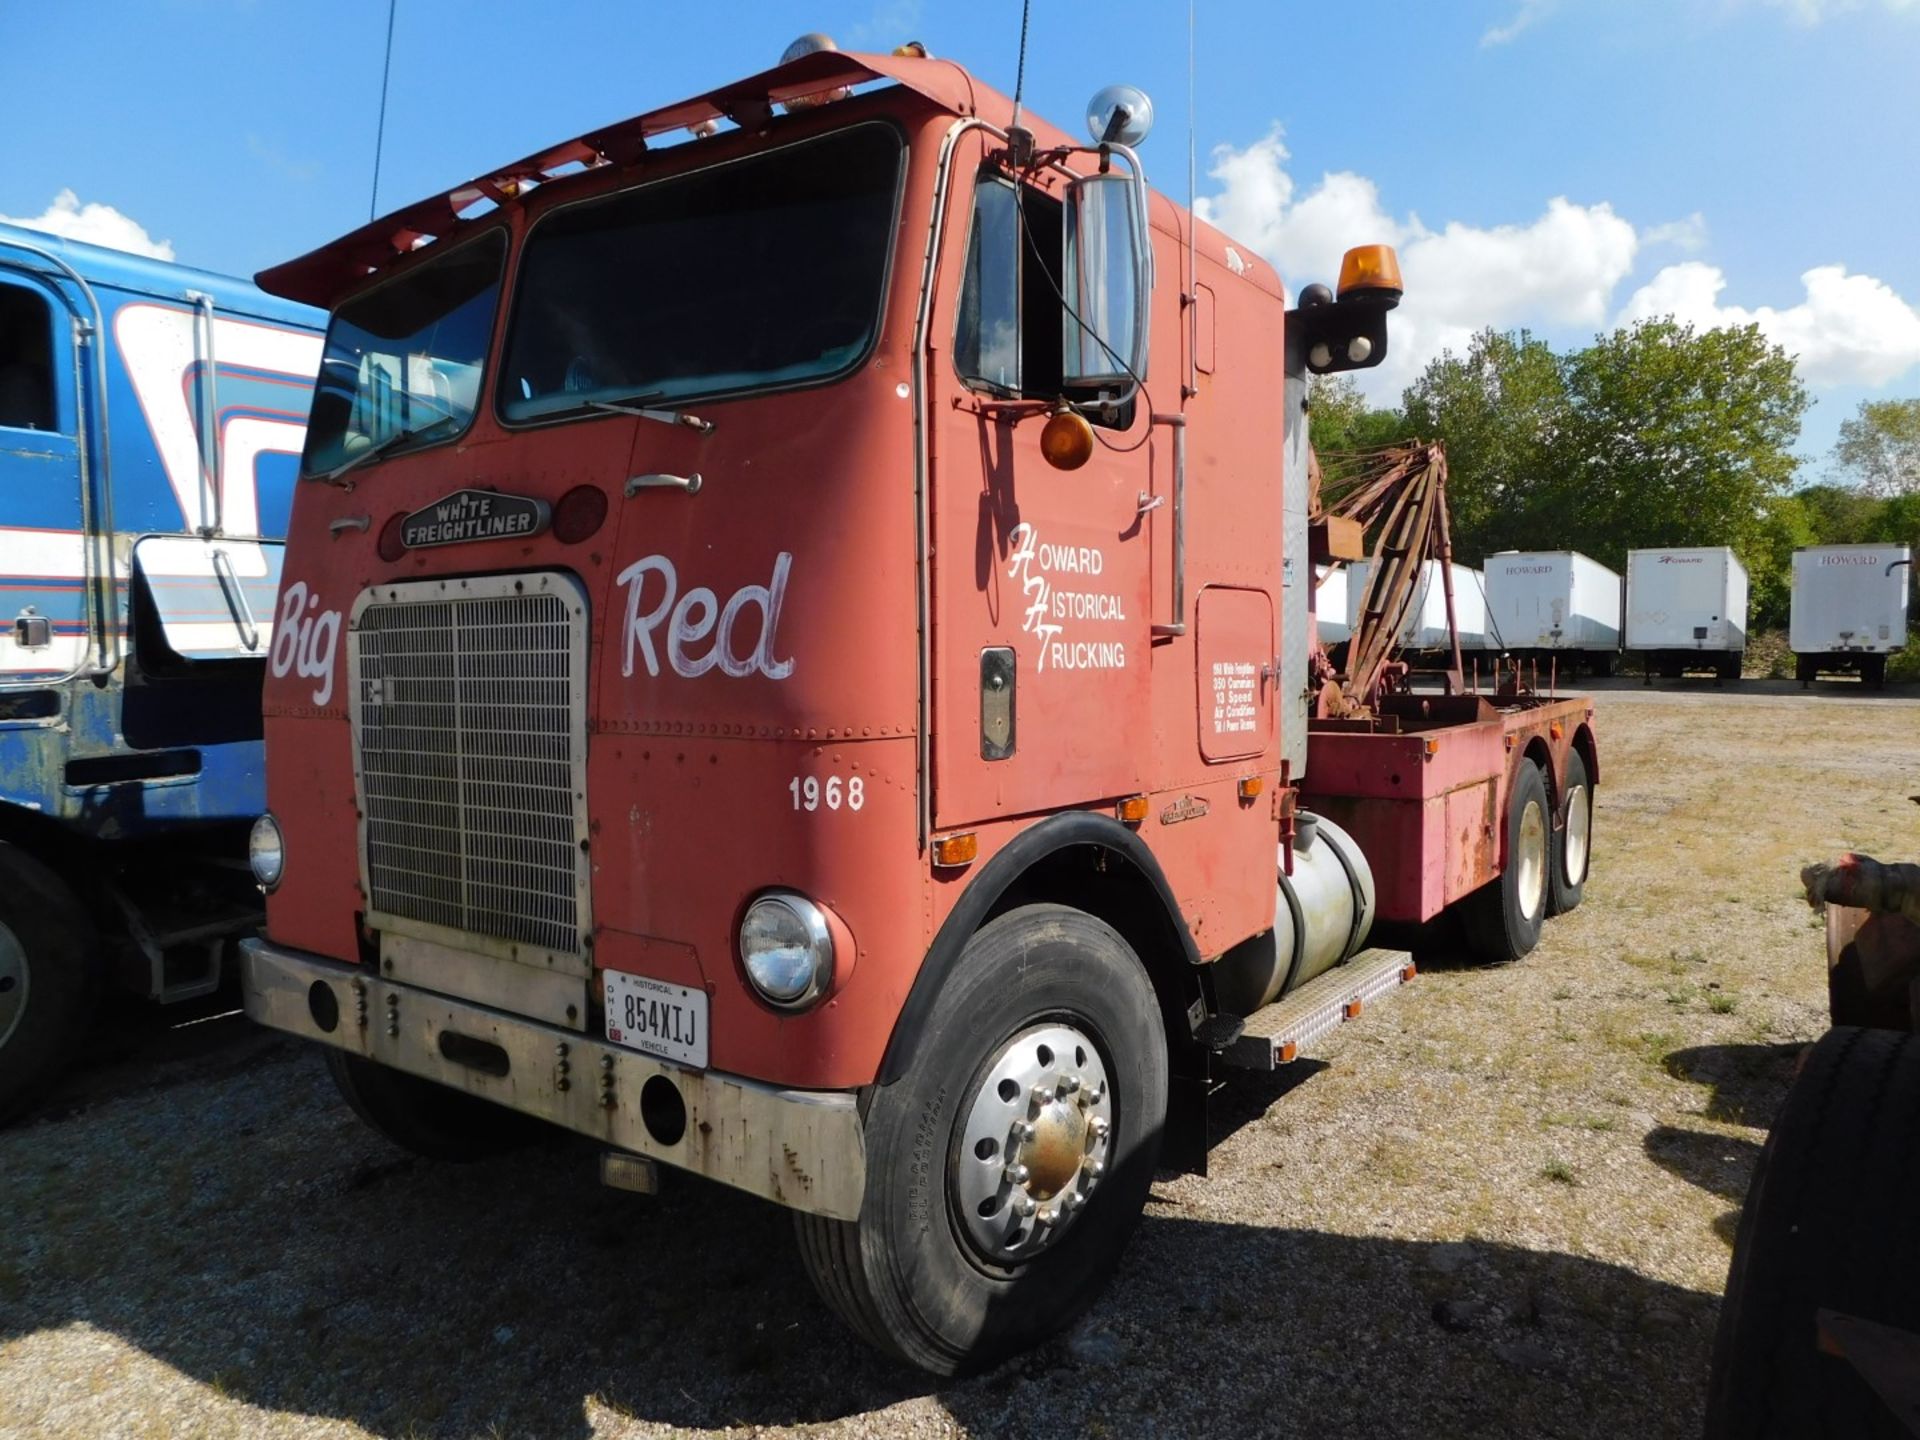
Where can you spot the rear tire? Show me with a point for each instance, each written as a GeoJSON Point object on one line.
{"type": "Point", "coordinates": [1503, 919]}
{"type": "Point", "coordinates": [432, 1121]}
{"type": "Point", "coordinates": [47, 959]}
{"type": "Point", "coordinates": [1828, 1224]}
{"type": "Point", "coordinates": [934, 1272]}
{"type": "Point", "coordinates": [1573, 841]}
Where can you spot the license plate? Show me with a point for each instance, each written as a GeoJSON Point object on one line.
{"type": "Point", "coordinates": [656, 1018]}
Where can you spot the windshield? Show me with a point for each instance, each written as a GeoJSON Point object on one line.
{"type": "Point", "coordinates": [762, 273]}
{"type": "Point", "coordinates": [403, 361]}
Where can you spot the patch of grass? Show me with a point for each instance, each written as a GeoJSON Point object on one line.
{"type": "Point", "coordinates": [1602, 1122]}
{"type": "Point", "coordinates": [1680, 996]}
{"type": "Point", "coordinates": [1558, 1171]}
{"type": "Point", "coordinates": [1721, 1003]}
{"type": "Point", "coordinates": [1563, 992]}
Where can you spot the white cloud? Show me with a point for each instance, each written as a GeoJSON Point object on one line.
{"type": "Point", "coordinates": [1560, 268]}
{"type": "Point", "coordinates": [1849, 330]}
{"type": "Point", "coordinates": [1559, 271]}
{"type": "Point", "coordinates": [1524, 18]}
{"type": "Point", "coordinates": [1689, 234]}
{"type": "Point", "coordinates": [1812, 12]}
{"type": "Point", "coordinates": [94, 223]}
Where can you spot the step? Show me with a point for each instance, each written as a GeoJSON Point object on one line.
{"type": "Point", "coordinates": [1280, 1033]}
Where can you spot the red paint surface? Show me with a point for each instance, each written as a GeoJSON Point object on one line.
{"type": "Point", "coordinates": [689, 778]}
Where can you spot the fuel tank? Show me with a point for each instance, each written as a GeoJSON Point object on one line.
{"type": "Point", "coordinates": [1322, 913]}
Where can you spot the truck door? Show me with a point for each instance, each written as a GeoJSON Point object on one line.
{"type": "Point", "coordinates": [1040, 576]}
{"type": "Point", "coordinates": [43, 548]}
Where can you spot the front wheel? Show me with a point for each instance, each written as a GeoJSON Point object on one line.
{"type": "Point", "coordinates": [46, 977]}
{"type": "Point", "coordinates": [1503, 919]}
{"type": "Point", "coordinates": [1008, 1166]}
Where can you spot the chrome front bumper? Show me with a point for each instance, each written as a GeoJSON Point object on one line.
{"type": "Point", "coordinates": [800, 1148]}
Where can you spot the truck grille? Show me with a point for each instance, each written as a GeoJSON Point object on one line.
{"type": "Point", "coordinates": [469, 729]}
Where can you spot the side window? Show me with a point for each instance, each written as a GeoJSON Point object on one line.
{"type": "Point", "coordinates": [1008, 336]}
{"type": "Point", "coordinates": [986, 345]}
{"type": "Point", "coordinates": [26, 360]}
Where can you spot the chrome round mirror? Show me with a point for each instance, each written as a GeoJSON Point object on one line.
{"type": "Point", "coordinates": [1105, 108]}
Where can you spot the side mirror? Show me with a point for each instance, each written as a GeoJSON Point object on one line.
{"type": "Point", "coordinates": [1108, 270]}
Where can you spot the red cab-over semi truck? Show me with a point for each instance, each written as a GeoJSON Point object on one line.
{"type": "Point", "coordinates": [793, 661]}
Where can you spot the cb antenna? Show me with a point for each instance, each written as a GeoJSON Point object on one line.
{"type": "Point", "coordinates": [380, 133]}
{"type": "Point", "coordinates": [1020, 71]}
{"type": "Point", "coordinates": [1192, 298]}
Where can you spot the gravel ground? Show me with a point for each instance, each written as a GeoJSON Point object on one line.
{"type": "Point", "coordinates": [1500, 1206]}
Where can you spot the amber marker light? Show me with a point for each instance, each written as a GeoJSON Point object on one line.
{"type": "Point", "coordinates": [1251, 786]}
{"type": "Point", "coordinates": [1067, 439]}
{"type": "Point", "coordinates": [1132, 810]}
{"type": "Point", "coordinates": [955, 850]}
{"type": "Point", "coordinates": [1371, 269]}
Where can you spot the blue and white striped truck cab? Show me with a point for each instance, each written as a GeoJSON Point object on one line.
{"type": "Point", "coordinates": [151, 423]}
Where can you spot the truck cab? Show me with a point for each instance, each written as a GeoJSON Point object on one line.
{"type": "Point", "coordinates": [793, 662]}
{"type": "Point", "coordinates": [151, 419]}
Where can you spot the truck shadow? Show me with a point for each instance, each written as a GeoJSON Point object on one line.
{"type": "Point", "coordinates": [1745, 1083]}
{"type": "Point", "coordinates": [252, 1236]}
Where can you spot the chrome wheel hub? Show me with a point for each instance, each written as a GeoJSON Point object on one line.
{"type": "Point", "coordinates": [1579, 824]}
{"type": "Point", "coordinates": [13, 983]}
{"type": "Point", "coordinates": [1034, 1143]}
{"type": "Point", "coordinates": [1530, 860]}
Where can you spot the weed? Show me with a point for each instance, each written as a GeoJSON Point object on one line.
{"type": "Point", "coordinates": [1558, 1171]}
{"type": "Point", "coordinates": [1721, 1003]}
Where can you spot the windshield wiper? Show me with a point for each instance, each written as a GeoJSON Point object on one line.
{"type": "Point", "coordinates": [640, 405]}
{"type": "Point", "coordinates": [381, 447]}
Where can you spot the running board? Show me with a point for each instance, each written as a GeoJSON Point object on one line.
{"type": "Point", "coordinates": [1280, 1033]}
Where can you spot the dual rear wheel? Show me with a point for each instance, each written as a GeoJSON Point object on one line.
{"type": "Point", "coordinates": [1546, 864]}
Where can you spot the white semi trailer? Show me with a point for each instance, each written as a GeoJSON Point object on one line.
{"type": "Point", "coordinates": [1425, 628]}
{"type": "Point", "coordinates": [1687, 610]}
{"type": "Point", "coordinates": [1849, 609]}
{"type": "Point", "coordinates": [1553, 605]}
{"type": "Point", "coordinates": [1330, 623]}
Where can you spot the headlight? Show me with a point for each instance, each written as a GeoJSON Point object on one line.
{"type": "Point", "coordinates": [266, 852]}
{"type": "Point", "coordinates": [787, 949]}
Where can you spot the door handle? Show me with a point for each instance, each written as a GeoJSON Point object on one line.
{"type": "Point", "coordinates": [689, 483]}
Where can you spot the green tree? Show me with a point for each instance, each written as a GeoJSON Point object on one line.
{"type": "Point", "coordinates": [1675, 437]}
{"type": "Point", "coordinates": [1342, 421]}
{"type": "Point", "coordinates": [1880, 447]}
{"type": "Point", "coordinates": [1839, 515]}
{"type": "Point", "coordinates": [1501, 409]}
{"type": "Point", "coordinates": [1787, 523]}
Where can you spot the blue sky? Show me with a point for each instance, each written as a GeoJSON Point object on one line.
{"type": "Point", "coordinates": [1557, 164]}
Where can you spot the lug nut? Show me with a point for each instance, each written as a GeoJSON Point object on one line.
{"type": "Point", "coordinates": [1023, 1130]}
{"type": "Point", "coordinates": [1042, 1095]}
{"type": "Point", "coordinates": [1069, 1084]}
{"type": "Point", "coordinates": [1024, 1204]}
{"type": "Point", "coordinates": [1095, 1169]}
{"type": "Point", "coordinates": [1017, 1174]}
{"type": "Point", "coordinates": [1099, 1127]}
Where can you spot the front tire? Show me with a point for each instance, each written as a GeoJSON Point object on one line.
{"type": "Point", "coordinates": [432, 1121]}
{"type": "Point", "coordinates": [47, 958]}
{"type": "Point", "coordinates": [1827, 1225]}
{"type": "Point", "coordinates": [1573, 841]}
{"type": "Point", "coordinates": [1008, 1167]}
{"type": "Point", "coordinates": [1503, 919]}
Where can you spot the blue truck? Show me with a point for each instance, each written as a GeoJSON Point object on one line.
{"type": "Point", "coordinates": [151, 422]}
